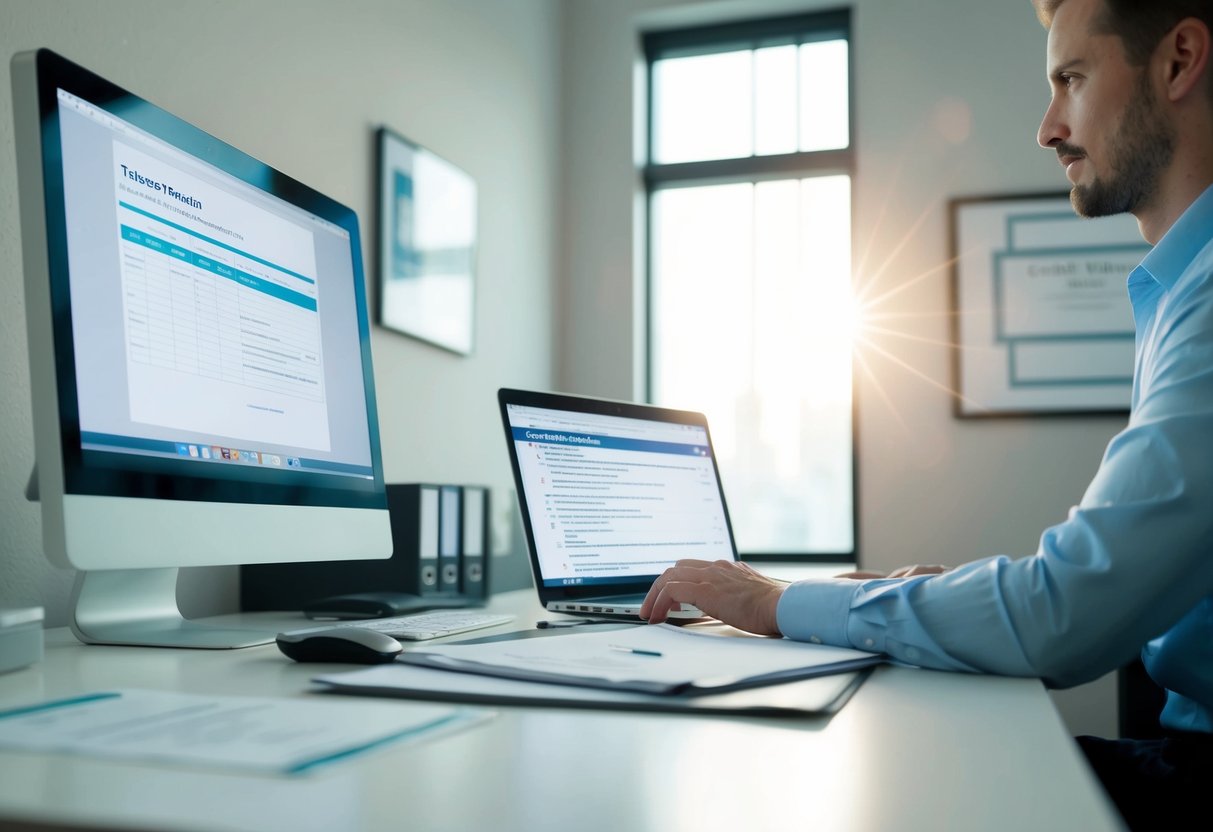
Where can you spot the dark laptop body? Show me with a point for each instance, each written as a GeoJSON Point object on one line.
{"type": "Point", "coordinates": [611, 494]}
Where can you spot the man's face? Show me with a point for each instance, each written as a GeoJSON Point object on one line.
{"type": "Point", "coordinates": [1104, 120]}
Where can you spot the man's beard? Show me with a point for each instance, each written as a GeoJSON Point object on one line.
{"type": "Point", "coordinates": [1138, 153]}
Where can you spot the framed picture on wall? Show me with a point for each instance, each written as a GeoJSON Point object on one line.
{"type": "Point", "coordinates": [1041, 316]}
{"type": "Point", "coordinates": [427, 245]}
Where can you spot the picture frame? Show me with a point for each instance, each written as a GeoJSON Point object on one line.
{"type": "Point", "coordinates": [427, 228]}
{"type": "Point", "coordinates": [1041, 320]}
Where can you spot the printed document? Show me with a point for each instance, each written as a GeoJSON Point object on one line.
{"type": "Point", "coordinates": [286, 736]}
{"type": "Point", "coordinates": [651, 659]}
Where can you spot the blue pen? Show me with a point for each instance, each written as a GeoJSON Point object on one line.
{"type": "Point", "coordinates": [635, 650]}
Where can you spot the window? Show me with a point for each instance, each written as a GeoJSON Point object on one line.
{"type": "Point", "coordinates": [750, 316]}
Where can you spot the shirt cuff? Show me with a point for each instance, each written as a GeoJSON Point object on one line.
{"type": "Point", "coordinates": [816, 610]}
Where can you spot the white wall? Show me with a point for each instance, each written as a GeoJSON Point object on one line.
{"type": "Point", "coordinates": [302, 85]}
{"type": "Point", "coordinates": [948, 97]}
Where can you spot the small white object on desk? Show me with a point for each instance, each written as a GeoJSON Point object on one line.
{"type": "Point", "coordinates": [20, 637]}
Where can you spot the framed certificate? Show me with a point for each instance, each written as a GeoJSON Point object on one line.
{"type": "Point", "coordinates": [1042, 322]}
{"type": "Point", "coordinates": [427, 245]}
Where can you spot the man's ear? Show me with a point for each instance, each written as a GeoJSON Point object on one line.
{"type": "Point", "coordinates": [1183, 57]}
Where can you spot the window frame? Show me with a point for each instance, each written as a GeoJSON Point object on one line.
{"type": "Point", "coordinates": [752, 34]}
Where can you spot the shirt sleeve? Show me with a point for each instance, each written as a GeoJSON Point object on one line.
{"type": "Point", "coordinates": [1130, 561]}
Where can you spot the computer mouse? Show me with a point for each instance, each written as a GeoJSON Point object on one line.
{"type": "Point", "coordinates": [357, 645]}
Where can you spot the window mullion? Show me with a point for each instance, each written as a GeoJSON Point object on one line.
{"type": "Point", "coordinates": [752, 168]}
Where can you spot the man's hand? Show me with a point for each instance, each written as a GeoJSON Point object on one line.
{"type": "Point", "coordinates": [731, 591]}
{"type": "Point", "coordinates": [900, 572]}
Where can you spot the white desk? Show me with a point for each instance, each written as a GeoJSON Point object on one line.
{"type": "Point", "coordinates": [913, 750]}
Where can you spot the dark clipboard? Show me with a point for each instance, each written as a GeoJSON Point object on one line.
{"type": "Point", "coordinates": [688, 689]}
{"type": "Point", "coordinates": [817, 697]}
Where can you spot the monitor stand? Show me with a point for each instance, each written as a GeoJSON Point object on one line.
{"type": "Point", "coordinates": [139, 607]}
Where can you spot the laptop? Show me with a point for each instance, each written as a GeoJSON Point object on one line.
{"type": "Point", "coordinates": [612, 494]}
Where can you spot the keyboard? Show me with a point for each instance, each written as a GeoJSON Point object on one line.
{"type": "Point", "coordinates": [421, 626]}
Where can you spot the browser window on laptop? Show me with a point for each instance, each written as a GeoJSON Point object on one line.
{"type": "Point", "coordinates": [612, 494]}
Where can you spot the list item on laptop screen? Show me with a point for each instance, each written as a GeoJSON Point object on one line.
{"type": "Point", "coordinates": [612, 499]}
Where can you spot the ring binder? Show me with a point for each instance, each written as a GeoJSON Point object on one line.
{"type": "Point", "coordinates": [450, 526]}
{"type": "Point", "coordinates": [474, 582]}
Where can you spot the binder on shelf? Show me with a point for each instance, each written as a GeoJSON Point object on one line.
{"type": "Point", "coordinates": [475, 510]}
{"type": "Point", "coordinates": [415, 533]}
{"type": "Point", "coordinates": [450, 526]}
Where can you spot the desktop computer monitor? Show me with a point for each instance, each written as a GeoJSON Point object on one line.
{"type": "Point", "coordinates": [199, 357]}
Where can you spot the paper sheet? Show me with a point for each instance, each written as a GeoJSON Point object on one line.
{"type": "Point", "coordinates": [648, 658]}
{"type": "Point", "coordinates": [264, 734]}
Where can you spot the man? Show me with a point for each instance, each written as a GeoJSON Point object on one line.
{"type": "Point", "coordinates": [1131, 569]}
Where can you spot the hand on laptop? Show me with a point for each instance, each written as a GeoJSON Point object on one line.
{"type": "Point", "coordinates": [731, 591]}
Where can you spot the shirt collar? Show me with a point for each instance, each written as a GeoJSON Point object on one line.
{"type": "Point", "coordinates": [1182, 242]}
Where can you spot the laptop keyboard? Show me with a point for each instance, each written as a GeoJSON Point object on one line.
{"type": "Point", "coordinates": [422, 626]}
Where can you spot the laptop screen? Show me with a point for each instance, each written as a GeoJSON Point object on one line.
{"type": "Point", "coordinates": [615, 499]}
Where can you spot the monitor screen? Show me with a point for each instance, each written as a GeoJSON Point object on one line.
{"type": "Point", "coordinates": [200, 356]}
{"type": "Point", "coordinates": [221, 327]}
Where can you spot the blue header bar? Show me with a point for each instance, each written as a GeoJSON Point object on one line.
{"type": "Point", "coordinates": [245, 279]}
{"type": "Point", "coordinates": [215, 242]}
{"type": "Point", "coordinates": [590, 440]}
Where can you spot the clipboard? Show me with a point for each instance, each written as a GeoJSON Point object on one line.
{"type": "Point", "coordinates": [817, 697]}
{"type": "Point", "coordinates": [687, 688]}
{"type": "Point", "coordinates": [662, 660]}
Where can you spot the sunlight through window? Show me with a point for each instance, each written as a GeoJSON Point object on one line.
{"type": "Point", "coordinates": [751, 313]}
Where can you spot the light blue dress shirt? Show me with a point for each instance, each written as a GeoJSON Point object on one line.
{"type": "Point", "coordinates": [1131, 566]}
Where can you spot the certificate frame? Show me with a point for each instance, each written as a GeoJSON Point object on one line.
{"type": "Point", "coordinates": [1041, 321]}
{"type": "Point", "coordinates": [427, 228]}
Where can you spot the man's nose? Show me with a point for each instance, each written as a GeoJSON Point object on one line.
{"type": "Point", "coordinates": [1052, 128]}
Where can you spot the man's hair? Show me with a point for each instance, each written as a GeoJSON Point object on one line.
{"type": "Point", "coordinates": [1140, 24]}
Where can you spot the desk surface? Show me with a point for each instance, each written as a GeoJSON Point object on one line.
{"type": "Point", "coordinates": [912, 750]}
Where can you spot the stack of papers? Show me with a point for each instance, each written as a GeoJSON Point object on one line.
{"type": "Point", "coordinates": [663, 667]}
{"type": "Point", "coordinates": [663, 659]}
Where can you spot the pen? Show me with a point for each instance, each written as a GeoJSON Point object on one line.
{"type": "Point", "coordinates": [635, 650]}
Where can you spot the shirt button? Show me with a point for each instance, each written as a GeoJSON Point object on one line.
{"type": "Point", "coordinates": [867, 642]}
{"type": "Point", "coordinates": [815, 639]}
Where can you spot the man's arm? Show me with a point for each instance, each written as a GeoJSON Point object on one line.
{"type": "Point", "coordinates": [1126, 565]}
{"type": "Point", "coordinates": [899, 572]}
{"type": "Point", "coordinates": [736, 593]}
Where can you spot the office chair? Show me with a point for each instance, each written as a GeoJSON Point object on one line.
{"type": "Point", "coordinates": [1139, 704]}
